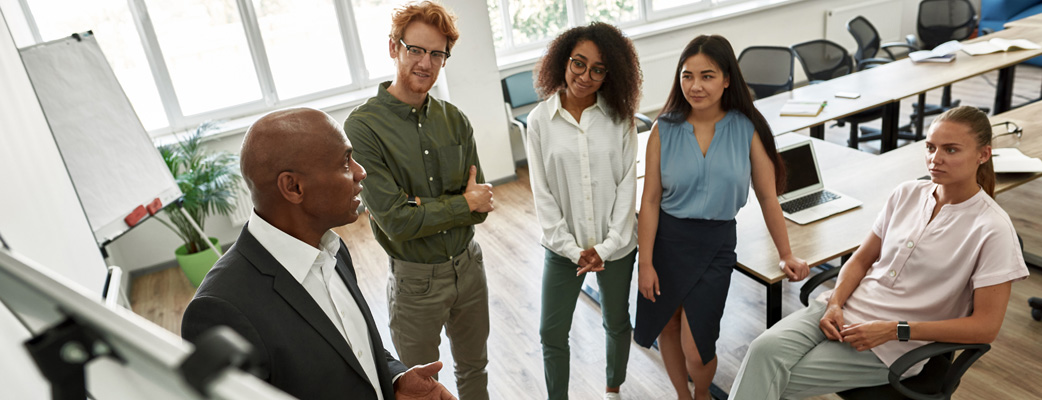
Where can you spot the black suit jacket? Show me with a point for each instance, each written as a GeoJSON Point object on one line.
{"type": "Point", "coordinates": [301, 351]}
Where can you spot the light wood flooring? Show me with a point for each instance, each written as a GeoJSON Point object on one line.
{"type": "Point", "coordinates": [514, 261]}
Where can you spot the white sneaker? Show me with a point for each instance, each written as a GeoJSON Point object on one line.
{"type": "Point", "coordinates": [612, 396]}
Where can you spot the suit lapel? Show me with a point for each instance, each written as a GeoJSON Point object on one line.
{"type": "Point", "coordinates": [297, 297]}
{"type": "Point", "coordinates": [346, 271]}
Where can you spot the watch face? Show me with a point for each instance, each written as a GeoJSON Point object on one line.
{"type": "Point", "coordinates": [904, 332]}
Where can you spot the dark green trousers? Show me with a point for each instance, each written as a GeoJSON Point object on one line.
{"type": "Point", "coordinates": [560, 292]}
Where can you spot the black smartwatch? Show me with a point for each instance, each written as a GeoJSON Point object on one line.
{"type": "Point", "coordinates": [412, 201]}
{"type": "Point", "coordinates": [904, 332]}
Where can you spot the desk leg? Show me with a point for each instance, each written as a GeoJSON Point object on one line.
{"type": "Point", "coordinates": [1004, 90]}
{"type": "Point", "coordinates": [774, 300]}
{"type": "Point", "coordinates": [818, 131]}
{"type": "Point", "coordinates": [919, 122]}
{"type": "Point", "coordinates": [891, 112]}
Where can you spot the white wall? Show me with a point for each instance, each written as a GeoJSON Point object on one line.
{"type": "Point", "coordinates": [471, 81]}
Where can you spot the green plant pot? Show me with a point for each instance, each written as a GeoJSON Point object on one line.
{"type": "Point", "coordinates": [196, 265]}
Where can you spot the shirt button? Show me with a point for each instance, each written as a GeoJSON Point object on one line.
{"type": "Point", "coordinates": [359, 354]}
{"type": "Point", "coordinates": [893, 273]}
{"type": "Point", "coordinates": [910, 244]}
{"type": "Point", "coordinates": [426, 152]}
{"type": "Point", "coordinates": [420, 125]}
{"type": "Point", "coordinates": [414, 110]}
{"type": "Point", "coordinates": [430, 178]}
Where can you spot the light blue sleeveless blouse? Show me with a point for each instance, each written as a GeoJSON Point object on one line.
{"type": "Point", "coordinates": [711, 187]}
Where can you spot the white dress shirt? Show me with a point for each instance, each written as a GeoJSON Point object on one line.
{"type": "Point", "coordinates": [584, 179]}
{"type": "Point", "coordinates": [315, 269]}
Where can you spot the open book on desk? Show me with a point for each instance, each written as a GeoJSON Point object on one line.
{"type": "Point", "coordinates": [802, 108]}
{"type": "Point", "coordinates": [944, 52]}
{"type": "Point", "coordinates": [998, 44]}
{"type": "Point", "coordinates": [1012, 160]}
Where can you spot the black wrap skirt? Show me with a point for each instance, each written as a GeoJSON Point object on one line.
{"type": "Point", "coordinates": [694, 259]}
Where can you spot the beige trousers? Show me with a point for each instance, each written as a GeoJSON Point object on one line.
{"type": "Point", "coordinates": [424, 298]}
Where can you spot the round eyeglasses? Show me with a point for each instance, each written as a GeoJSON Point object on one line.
{"type": "Point", "coordinates": [417, 52]}
{"type": "Point", "coordinates": [1008, 137]}
{"type": "Point", "coordinates": [579, 67]}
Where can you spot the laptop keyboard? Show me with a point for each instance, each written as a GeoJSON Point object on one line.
{"type": "Point", "coordinates": [802, 203]}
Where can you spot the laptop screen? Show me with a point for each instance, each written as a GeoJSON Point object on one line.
{"type": "Point", "coordinates": [800, 169]}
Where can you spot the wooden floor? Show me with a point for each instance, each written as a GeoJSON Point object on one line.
{"type": "Point", "coordinates": [514, 261]}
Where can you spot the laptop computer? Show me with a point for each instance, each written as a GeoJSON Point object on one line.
{"type": "Point", "coordinates": [805, 199]}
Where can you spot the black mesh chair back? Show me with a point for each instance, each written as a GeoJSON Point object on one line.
{"type": "Point", "coordinates": [943, 20]}
{"type": "Point", "coordinates": [866, 36]}
{"type": "Point", "coordinates": [767, 69]}
{"type": "Point", "coordinates": [823, 59]}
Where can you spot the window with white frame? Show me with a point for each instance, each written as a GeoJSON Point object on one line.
{"type": "Point", "coordinates": [519, 25]}
{"type": "Point", "coordinates": [185, 62]}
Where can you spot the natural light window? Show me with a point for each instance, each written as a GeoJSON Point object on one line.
{"type": "Point", "coordinates": [304, 46]}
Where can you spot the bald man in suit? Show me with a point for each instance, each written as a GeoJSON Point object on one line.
{"type": "Point", "coordinates": [287, 284]}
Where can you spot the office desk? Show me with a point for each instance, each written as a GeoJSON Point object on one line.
{"type": "Point", "coordinates": [1034, 20]}
{"type": "Point", "coordinates": [837, 108]}
{"type": "Point", "coordinates": [887, 84]}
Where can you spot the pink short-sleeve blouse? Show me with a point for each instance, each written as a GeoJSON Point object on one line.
{"type": "Point", "coordinates": [928, 270]}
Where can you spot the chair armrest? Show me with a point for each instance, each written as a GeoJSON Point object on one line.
{"type": "Point", "coordinates": [645, 122]}
{"type": "Point", "coordinates": [814, 282]}
{"type": "Point", "coordinates": [872, 63]}
{"type": "Point", "coordinates": [888, 46]}
{"type": "Point", "coordinates": [912, 40]}
{"type": "Point", "coordinates": [986, 31]}
{"type": "Point", "coordinates": [971, 352]}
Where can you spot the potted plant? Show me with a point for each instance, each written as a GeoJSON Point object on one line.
{"type": "Point", "coordinates": [209, 181]}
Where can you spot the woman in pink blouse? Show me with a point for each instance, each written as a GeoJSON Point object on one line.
{"type": "Point", "coordinates": [937, 267]}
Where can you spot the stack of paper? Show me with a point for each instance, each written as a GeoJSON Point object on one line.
{"type": "Point", "coordinates": [1012, 160]}
{"type": "Point", "coordinates": [998, 44]}
{"type": "Point", "coordinates": [944, 52]}
{"type": "Point", "coordinates": [802, 108]}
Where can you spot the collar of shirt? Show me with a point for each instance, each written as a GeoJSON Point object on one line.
{"type": "Point", "coordinates": [931, 201]}
{"type": "Point", "coordinates": [399, 107]}
{"type": "Point", "coordinates": [556, 107]}
{"type": "Point", "coordinates": [294, 255]}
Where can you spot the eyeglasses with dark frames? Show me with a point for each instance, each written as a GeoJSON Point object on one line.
{"type": "Point", "coordinates": [579, 67]}
{"type": "Point", "coordinates": [1009, 138]}
{"type": "Point", "coordinates": [417, 52]}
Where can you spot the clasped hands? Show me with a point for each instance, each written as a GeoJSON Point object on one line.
{"type": "Point", "coordinates": [418, 384]}
{"type": "Point", "coordinates": [589, 261]}
{"type": "Point", "coordinates": [861, 336]}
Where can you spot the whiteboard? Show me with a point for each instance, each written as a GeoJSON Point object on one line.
{"type": "Point", "coordinates": [113, 164]}
{"type": "Point", "coordinates": [40, 216]}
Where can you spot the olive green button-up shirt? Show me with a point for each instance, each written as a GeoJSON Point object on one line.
{"type": "Point", "coordinates": [427, 153]}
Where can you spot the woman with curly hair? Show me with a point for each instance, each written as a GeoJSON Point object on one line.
{"type": "Point", "coordinates": [582, 152]}
{"type": "Point", "coordinates": [708, 144]}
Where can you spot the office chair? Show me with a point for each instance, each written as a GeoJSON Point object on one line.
{"type": "Point", "coordinates": [940, 21]}
{"type": "Point", "coordinates": [823, 60]}
{"type": "Point", "coordinates": [767, 70]}
{"type": "Point", "coordinates": [868, 56]}
{"type": "Point", "coordinates": [939, 378]}
{"type": "Point", "coordinates": [869, 47]}
{"type": "Point", "coordinates": [519, 91]}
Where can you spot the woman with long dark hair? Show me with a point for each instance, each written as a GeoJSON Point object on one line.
{"type": "Point", "coordinates": [582, 152]}
{"type": "Point", "coordinates": [708, 144]}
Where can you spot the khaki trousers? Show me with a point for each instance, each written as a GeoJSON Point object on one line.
{"type": "Point", "coordinates": [424, 298]}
